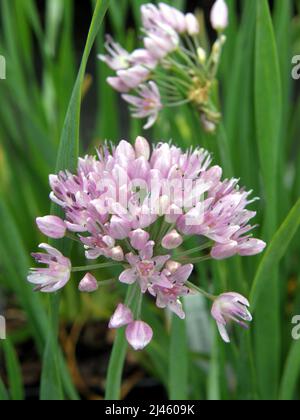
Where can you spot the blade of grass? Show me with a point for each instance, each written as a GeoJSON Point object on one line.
{"type": "Point", "coordinates": [14, 373]}
{"type": "Point", "coordinates": [67, 159]}
{"type": "Point", "coordinates": [291, 373]}
{"type": "Point", "coordinates": [3, 392]}
{"type": "Point", "coordinates": [268, 111]}
{"type": "Point", "coordinates": [275, 252]}
{"type": "Point", "coordinates": [178, 361]}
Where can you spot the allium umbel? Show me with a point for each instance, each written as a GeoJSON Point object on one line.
{"type": "Point", "coordinates": [171, 68]}
{"type": "Point", "coordinates": [135, 209]}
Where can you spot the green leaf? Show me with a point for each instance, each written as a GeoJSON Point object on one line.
{"type": "Point", "coordinates": [14, 373]}
{"type": "Point", "coordinates": [261, 287]}
{"type": "Point", "coordinates": [268, 112]}
{"type": "Point", "coordinates": [268, 107]}
{"type": "Point", "coordinates": [275, 252]}
{"type": "Point", "coordinates": [51, 388]}
{"type": "Point", "coordinates": [291, 373]}
{"type": "Point", "coordinates": [69, 145]}
{"type": "Point", "coordinates": [3, 392]}
{"type": "Point", "coordinates": [178, 361]}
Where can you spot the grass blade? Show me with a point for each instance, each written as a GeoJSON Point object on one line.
{"type": "Point", "coordinates": [291, 373]}
{"type": "Point", "coordinates": [14, 373]}
{"type": "Point", "coordinates": [178, 361]}
{"type": "Point", "coordinates": [268, 112]}
{"type": "Point", "coordinates": [51, 388]}
{"type": "Point", "coordinates": [276, 251]}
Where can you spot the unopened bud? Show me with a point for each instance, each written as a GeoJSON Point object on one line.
{"type": "Point", "coordinates": [202, 56]}
{"type": "Point", "coordinates": [172, 240]}
{"type": "Point", "coordinates": [52, 226]}
{"type": "Point", "coordinates": [88, 284]}
{"type": "Point", "coordinates": [219, 15]}
{"type": "Point", "coordinates": [142, 148]}
{"type": "Point", "coordinates": [172, 266]}
{"type": "Point", "coordinates": [116, 254]}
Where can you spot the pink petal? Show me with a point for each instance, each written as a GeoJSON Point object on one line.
{"type": "Point", "coordinates": [139, 335]}
{"type": "Point", "coordinates": [128, 276]}
{"type": "Point", "coordinates": [122, 316]}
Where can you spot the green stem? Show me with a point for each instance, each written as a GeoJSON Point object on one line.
{"type": "Point", "coordinates": [194, 260]}
{"type": "Point", "coordinates": [73, 237]}
{"type": "Point", "coordinates": [194, 250]}
{"type": "Point", "coordinates": [201, 291]}
{"type": "Point", "coordinates": [117, 359]}
{"type": "Point", "coordinates": [95, 267]}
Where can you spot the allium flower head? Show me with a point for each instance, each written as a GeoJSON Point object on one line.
{"type": "Point", "coordinates": [230, 307]}
{"type": "Point", "coordinates": [171, 68]}
{"type": "Point", "coordinates": [134, 206]}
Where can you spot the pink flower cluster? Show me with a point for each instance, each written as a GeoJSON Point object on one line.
{"type": "Point", "coordinates": [108, 207]}
{"type": "Point", "coordinates": [171, 45]}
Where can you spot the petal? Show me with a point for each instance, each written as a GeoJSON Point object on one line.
{"type": "Point", "coordinates": [182, 274]}
{"type": "Point", "coordinates": [139, 334]}
{"type": "Point", "coordinates": [128, 276]}
{"type": "Point", "coordinates": [122, 316]}
{"type": "Point", "coordinates": [223, 333]}
{"type": "Point", "coordinates": [139, 239]}
{"type": "Point", "coordinates": [88, 284]}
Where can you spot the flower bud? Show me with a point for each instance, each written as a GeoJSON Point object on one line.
{"type": "Point", "coordinates": [172, 240]}
{"type": "Point", "coordinates": [116, 254]}
{"type": "Point", "coordinates": [219, 15]}
{"type": "Point", "coordinates": [139, 239]}
{"type": "Point", "coordinates": [117, 84]}
{"type": "Point", "coordinates": [192, 24]}
{"type": "Point", "coordinates": [52, 226]}
{"type": "Point", "coordinates": [133, 76]}
{"type": "Point", "coordinates": [202, 56]}
{"type": "Point", "coordinates": [88, 284]}
{"type": "Point", "coordinates": [142, 148]}
{"type": "Point", "coordinates": [251, 247]}
{"type": "Point", "coordinates": [122, 316]}
{"type": "Point", "coordinates": [208, 126]}
{"type": "Point", "coordinates": [139, 334]}
{"type": "Point", "coordinates": [172, 266]}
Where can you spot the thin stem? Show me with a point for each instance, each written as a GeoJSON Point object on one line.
{"type": "Point", "coordinates": [195, 260]}
{"type": "Point", "coordinates": [73, 237]}
{"type": "Point", "coordinates": [190, 44]}
{"type": "Point", "coordinates": [106, 282]}
{"type": "Point", "coordinates": [139, 305]}
{"type": "Point", "coordinates": [180, 103]}
{"type": "Point", "coordinates": [132, 293]}
{"type": "Point", "coordinates": [194, 250]}
{"type": "Point", "coordinates": [95, 267]}
{"type": "Point", "coordinates": [201, 291]}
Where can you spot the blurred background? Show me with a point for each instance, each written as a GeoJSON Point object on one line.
{"type": "Point", "coordinates": [42, 42]}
